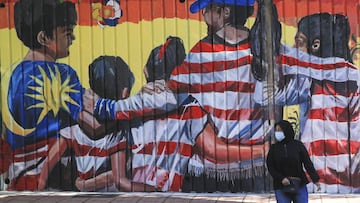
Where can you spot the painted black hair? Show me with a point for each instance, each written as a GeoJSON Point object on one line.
{"type": "Point", "coordinates": [333, 31]}
{"type": "Point", "coordinates": [239, 15]}
{"type": "Point", "coordinates": [164, 58]}
{"type": "Point", "coordinates": [34, 16]}
{"type": "Point", "coordinates": [109, 75]}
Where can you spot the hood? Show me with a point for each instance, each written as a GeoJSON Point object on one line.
{"type": "Point", "coordinates": [287, 129]}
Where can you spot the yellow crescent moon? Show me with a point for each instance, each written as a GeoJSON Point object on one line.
{"type": "Point", "coordinates": [8, 120]}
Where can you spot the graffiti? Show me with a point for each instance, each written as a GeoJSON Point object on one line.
{"type": "Point", "coordinates": [167, 101]}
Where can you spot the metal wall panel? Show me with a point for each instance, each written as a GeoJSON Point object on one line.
{"type": "Point", "coordinates": [215, 140]}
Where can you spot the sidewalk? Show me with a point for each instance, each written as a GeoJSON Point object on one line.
{"type": "Point", "coordinates": [75, 197]}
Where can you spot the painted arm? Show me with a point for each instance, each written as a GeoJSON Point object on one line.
{"type": "Point", "coordinates": [55, 153]}
{"type": "Point", "coordinates": [118, 164]}
{"type": "Point", "coordinates": [138, 105]}
{"type": "Point", "coordinates": [95, 183]}
{"type": "Point", "coordinates": [214, 149]}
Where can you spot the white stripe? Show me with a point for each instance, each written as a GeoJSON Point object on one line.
{"type": "Point", "coordinates": [16, 168]}
{"type": "Point", "coordinates": [320, 101]}
{"type": "Point", "coordinates": [165, 100]}
{"type": "Point", "coordinates": [87, 163]}
{"type": "Point", "coordinates": [231, 129]}
{"type": "Point", "coordinates": [75, 133]}
{"type": "Point", "coordinates": [166, 130]}
{"type": "Point", "coordinates": [226, 100]}
{"type": "Point", "coordinates": [336, 162]}
{"type": "Point", "coordinates": [240, 74]}
{"type": "Point", "coordinates": [166, 162]}
{"type": "Point", "coordinates": [339, 75]}
{"type": "Point", "coordinates": [205, 57]}
{"type": "Point", "coordinates": [303, 56]}
{"type": "Point", "coordinates": [332, 188]}
{"type": "Point", "coordinates": [36, 151]}
{"type": "Point", "coordinates": [329, 130]}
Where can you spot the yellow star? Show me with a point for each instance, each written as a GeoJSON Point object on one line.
{"type": "Point", "coordinates": [51, 92]}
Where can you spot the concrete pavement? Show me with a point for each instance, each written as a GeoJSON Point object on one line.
{"type": "Point", "coordinates": [75, 197]}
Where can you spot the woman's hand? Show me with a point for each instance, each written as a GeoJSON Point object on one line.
{"type": "Point", "coordinates": [318, 186]}
{"type": "Point", "coordinates": [285, 181]}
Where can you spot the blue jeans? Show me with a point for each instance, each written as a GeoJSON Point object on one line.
{"type": "Point", "coordinates": [301, 197]}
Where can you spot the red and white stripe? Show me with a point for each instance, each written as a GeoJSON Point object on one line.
{"type": "Point", "coordinates": [220, 78]}
{"type": "Point", "coordinates": [92, 155]}
{"type": "Point", "coordinates": [162, 147]}
{"type": "Point", "coordinates": [21, 175]}
{"type": "Point", "coordinates": [331, 132]}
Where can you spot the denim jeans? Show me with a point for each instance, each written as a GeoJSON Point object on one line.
{"type": "Point", "coordinates": [301, 197]}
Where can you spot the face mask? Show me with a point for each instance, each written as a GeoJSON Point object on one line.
{"type": "Point", "coordinates": [279, 136]}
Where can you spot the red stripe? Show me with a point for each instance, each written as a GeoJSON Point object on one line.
{"type": "Point", "coordinates": [325, 87]}
{"type": "Point", "coordinates": [192, 112]}
{"type": "Point", "coordinates": [333, 147]}
{"type": "Point", "coordinates": [235, 115]}
{"type": "Point", "coordinates": [232, 86]}
{"type": "Point", "coordinates": [334, 114]}
{"type": "Point", "coordinates": [166, 148]}
{"type": "Point", "coordinates": [35, 146]}
{"type": "Point", "coordinates": [5, 155]}
{"type": "Point", "coordinates": [89, 174]}
{"type": "Point", "coordinates": [345, 178]}
{"type": "Point", "coordinates": [288, 60]}
{"type": "Point", "coordinates": [29, 157]}
{"type": "Point", "coordinates": [210, 67]}
{"type": "Point", "coordinates": [28, 182]}
{"type": "Point", "coordinates": [119, 147]}
{"type": "Point", "coordinates": [163, 48]}
{"type": "Point", "coordinates": [204, 46]}
{"type": "Point", "coordinates": [32, 149]}
{"type": "Point", "coordinates": [177, 183]}
{"type": "Point", "coordinates": [85, 150]}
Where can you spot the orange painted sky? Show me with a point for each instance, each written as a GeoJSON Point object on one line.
{"type": "Point", "coordinates": [133, 11]}
{"type": "Point", "coordinates": [290, 11]}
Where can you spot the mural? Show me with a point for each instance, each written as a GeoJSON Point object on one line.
{"type": "Point", "coordinates": [152, 95]}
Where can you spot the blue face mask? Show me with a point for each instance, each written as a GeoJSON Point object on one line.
{"type": "Point", "coordinates": [279, 136]}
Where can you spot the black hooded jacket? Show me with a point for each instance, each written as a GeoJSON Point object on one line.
{"type": "Point", "coordinates": [287, 158]}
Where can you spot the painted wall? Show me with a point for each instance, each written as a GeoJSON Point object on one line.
{"type": "Point", "coordinates": [168, 157]}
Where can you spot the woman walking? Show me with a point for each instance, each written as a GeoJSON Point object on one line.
{"type": "Point", "coordinates": [285, 162]}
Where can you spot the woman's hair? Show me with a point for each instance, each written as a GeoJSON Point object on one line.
{"type": "Point", "coordinates": [287, 128]}
{"type": "Point", "coordinates": [333, 31]}
{"type": "Point", "coordinates": [34, 16]}
{"type": "Point", "coordinates": [109, 75]}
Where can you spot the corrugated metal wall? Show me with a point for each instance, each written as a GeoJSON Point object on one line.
{"type": "Point", "coordinates": [47, 145]}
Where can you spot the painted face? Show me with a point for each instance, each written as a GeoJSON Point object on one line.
{"type": "Point", "coordinates": [214, 18]}
{"type": "Point", "coordinates": [58, 46]}
{"type": "Point", "coordinates": [301, 41]}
